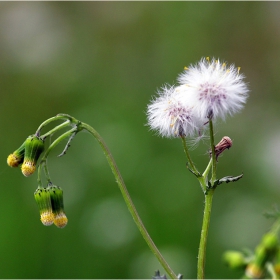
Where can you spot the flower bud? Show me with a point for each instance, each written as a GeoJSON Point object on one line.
{"type": "Point", "coordinates": [43, 199]}
{"type": "Point", "coordinates": [270, 241]}
{"type": "Point", "coordinates": [234, 259]}
{"type": "Point", "coordinates": [253, 271]}
{"type": "Point", "coordinates": [277, 269]}
{"type": "Point", "coordinates": [16, 158]}
{"type": "Point", "coordinates": [34, 146]}
{"type": "Point", "coordinates": [277, 262]}
{"type": "Point", "coordinates": [56, 193]}
{"type": "Point", "coordinates": [225, 143]}
{"type": "Point", "coordinates": [256, 268]}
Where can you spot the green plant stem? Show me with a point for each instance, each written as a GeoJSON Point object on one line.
{"type": "Point", "coordinates": [213, 154]}
{"type": "Point", "coordinates": [55, 118]}
{"type": "Point", "coordinates": [43, 161]}
{"type": "Point", "coordinates": [208, 196]}
{"type": "Point", "coordinates": [204, 234]}
{"type": "Point", "coordinates": [78, 127]}
{"type": "Point", "coordinates": [188, 156]}
{"type": "Point", "coordinates": [127, 199]}
{"type": "Point", "coordinates": [206, 172]}
{"type": "Point", "coordinates": [52, 131]}
{"type": "Point", "coordinates": [39, 181]}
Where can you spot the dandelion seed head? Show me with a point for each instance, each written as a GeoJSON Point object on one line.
{"type": "Point", "coordinates": [216, 89]}
{"type": "Point", "coordinates": [170, 114]}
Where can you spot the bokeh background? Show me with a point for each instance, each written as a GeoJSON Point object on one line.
{"type": "Point", "coordinates": [102, 62]}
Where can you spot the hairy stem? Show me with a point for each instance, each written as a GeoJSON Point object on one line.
{"type": "Point", "coordinates": [207, 207]}
{"type": "Point", "coordinates": [204, 234]}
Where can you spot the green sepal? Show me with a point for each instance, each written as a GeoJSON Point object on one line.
{"type": "Point", "coordinates": [34, 146]}
{"type": "Point", "coordinates": [43, 199]}
{"type": "Point", "coordinates": [56, 195]}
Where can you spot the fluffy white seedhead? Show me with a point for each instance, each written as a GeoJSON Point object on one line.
{"type": "Point", "coordinates": [171, 113]}
{"type": "Point", "coordinates": [215, 89]}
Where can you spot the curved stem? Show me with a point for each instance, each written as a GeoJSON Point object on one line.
{"type": "Point", "coordinates": [127, 198]}
{"type": "Point", "coordinates": [46, 122]}
{"type": "Point", "coordinates": [57, 141]}
{"type": "Point", "coordinates": [204, 234]}
{"type": "Point", "coordinates": [43, 161]}
{"type": "Point", "coordinates": [52, 131]}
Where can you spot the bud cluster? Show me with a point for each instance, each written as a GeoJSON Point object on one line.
{"type": "Point", "coordinates": [264, 252]}
{"type": "Point", "coordinates": [50, 203]}
{"type": "Point", "coordinates": [49, 199]}
{"type": "Point", "coordinates": [27, 155]}
{"type": "Point", "coordinates": [255, 266]}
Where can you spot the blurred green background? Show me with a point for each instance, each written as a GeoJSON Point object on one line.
{"type": "Point", "coordinates": [102, 62]}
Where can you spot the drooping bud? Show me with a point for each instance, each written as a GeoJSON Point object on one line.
{"type": "Point", "coordinates": [34, 146]}
{"type": "Point", "coordinates": [56, 193]}
{"type": "Point", "coordinates": [277, 263]}
{"type": "Point", "coordinates": [43, 199]}
{"type": "Point", "coordinates": [225, 143]}
{"type": "Point", "coordinates": [16, 158]}
{"type": "Point", "coordinates": [256, 268]}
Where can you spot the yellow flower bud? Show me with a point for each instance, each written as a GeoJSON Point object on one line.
{"type": "Point", "coordinates": [43, 199]}
{"type": "Point", "coordinates": [16, 158]}
{"type": "Point", "coordinates": [28, 168]}
{"type": "Point", "coordinates": [60, 220]}
{"type": "Point", "coordinates": [34, 146]}
{"type": "Point", "coordinates": [56, 194]}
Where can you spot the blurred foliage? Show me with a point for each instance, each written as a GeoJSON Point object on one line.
{"type": "Point", "coordinates": [102, 62]}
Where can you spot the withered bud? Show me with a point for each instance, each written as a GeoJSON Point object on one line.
{"type": "Point", "coordinates": [225, 143]}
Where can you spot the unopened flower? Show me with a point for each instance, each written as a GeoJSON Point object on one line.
{"type": "Point", "coordinates": [34, 147]}
{"type": "Point", "coordinates": [56, 194]}
{"type": "Point", "coordinates": [224, 144]}
{"type": "Point", "coordinates": [16, 158]}
{"type": "Point", "coordinates": [43, 199]}
{"type": "Point", "coordinates": [171, 113]}
{"type": "Point", "coordinates": [216, 89]}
